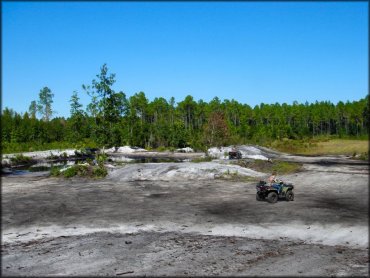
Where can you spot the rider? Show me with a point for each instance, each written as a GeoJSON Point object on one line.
{"type": "Point", "coordinates": [274, 182]}
{"type": "Point", "coordinates": [272, 178]}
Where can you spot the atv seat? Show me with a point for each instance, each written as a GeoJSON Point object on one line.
{"type": "Point", "coordinates": [277, 186]}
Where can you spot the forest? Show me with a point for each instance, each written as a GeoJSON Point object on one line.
{"type": "Point", "coordinates": [112, 119]}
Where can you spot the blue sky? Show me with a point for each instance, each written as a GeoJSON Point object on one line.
{"type": "Point", "coordinates": [248, 51]}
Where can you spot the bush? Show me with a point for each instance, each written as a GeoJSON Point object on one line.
{"type": "Point", "coordinates": [158, 149]}
{"type": "Point", "coordinates": [364, 156]}
{"type": "Point", "coordinates": [20, 159]}
{"type": "Point", "coordinates": [70, 172]}
{"type": "Point", "coordinates": [55, 171]}
{"type": "Point", "coordinates": [101, 158]}
{"type": "Point", "coordinates": [99, 172]}
{"type": "Point", "coordinates": [81, 170]}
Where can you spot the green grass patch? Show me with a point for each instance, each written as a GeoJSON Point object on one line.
{"type": "Point", "coordinates": [322, 146]}
{"type": "Point", "coordinates": [264, 166]}
{"type": "Point", "coordinates": [202, 159]}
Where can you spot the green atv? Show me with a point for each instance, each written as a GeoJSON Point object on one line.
{"type": "Point", "coordinates": [274, 191]}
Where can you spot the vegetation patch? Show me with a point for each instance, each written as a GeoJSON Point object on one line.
{"type": "Point", "coordinates": [321, 146]}
{"type": "Point", "coordinates": [111, 119]}
{"type": "Point", "coordinates": [89, 169]}
{"type": "Point", "coordinates": [20, 159]}
{"type": "Point", "coordinates": [361, 156]}
{"type": "Point", "coordinates": [81, 170]}
{"type": "Point", "coordinates": [202, 159]}
{"type": "Point", "coordinates": [264, 166]}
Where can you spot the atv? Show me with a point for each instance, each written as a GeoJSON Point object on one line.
{"type": "Point", "coordinates": [235, 154]}
{"type": "Point", "coordinates": [274, 191]}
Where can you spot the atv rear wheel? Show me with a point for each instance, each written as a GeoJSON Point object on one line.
{"type": "Point", "coordinates": [272, 197]}
{"type": "Point", "coordinates": [258, 197]}
{"type": "Point", "coordinates": [289, 196]}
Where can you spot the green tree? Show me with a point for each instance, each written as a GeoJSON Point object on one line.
{"type": "Point", "coordinates": [107, 107]}
{"type": "Point", "coordinates": [77, 121]}
{"type": "Point", "coordinates": [32, 110]}
{"type": "Point", "coordinates": [44, 103]}
{"type": "Point", "coordinates": [216, 132]}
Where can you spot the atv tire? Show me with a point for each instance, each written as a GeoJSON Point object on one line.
{"type": "Point", "coordinates": [272, 197]}
{"type": "Point", "coordinates": [258, 197]}
{"type": "Point", "coordinates": [289, 196]}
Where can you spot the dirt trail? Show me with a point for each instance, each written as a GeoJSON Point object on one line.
{"type": "Point", "coordinates": [53, 226]}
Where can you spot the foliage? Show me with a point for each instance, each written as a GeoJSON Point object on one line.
{"type": "Point", "coordinates": [284, 167]}
{"type": "Point", "coordinates": [216, 131]}
{"type": "Point", "coordinates": [78, 121]}
{"type": "Point", "coordinates": [33, 109]}
{"type": "Point", "coordinates": [112, 120]}
{"type": "Point", "coordinates": [321, 145]}
{"type": "Point", "coordinates": [20, 159]}
{"type": "Point", "coordinates": [82, 170]}
{"type": "Point", "coordinates": [55, 171]}
{"type": "Point", "coordinates": [280, 167]}
{"type": "Point", "coordinates": [363, 156]}
{"type": "Point", "coordinates": [101, 158]}
{"type": "Point", "coordinates": [202, 159]}
{"type": "Point", "coordinates": [44, 103]}
{"type": "Point", "coordinates": [100, 172]}
{"type": "Point", "coordinates": [107, 108]}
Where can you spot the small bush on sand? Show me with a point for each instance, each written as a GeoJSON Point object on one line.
{"type": "Point", "coordinates": [364, 156]}
{"type": "Point", "coordinates": [100, 172]}
{"type": "Point", "coordinates": [70, 172]}
{"type": "Point", "coordinates": [55, 171]}
{"type": "Point", "coordinates": [101, 158]}
{"type": "Point", "coordinates": [81, 170]}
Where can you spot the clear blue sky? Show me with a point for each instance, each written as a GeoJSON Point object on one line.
{"type": "Point", "coordinates": [248, 51]}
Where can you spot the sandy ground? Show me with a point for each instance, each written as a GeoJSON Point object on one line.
{"type": "Point", "coordinates": [129, 226]}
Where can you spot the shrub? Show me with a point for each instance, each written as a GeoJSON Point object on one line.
{"type": "Point", "coordinates": [70, 172]}
{"type": "Point", "coordinates": [81, 170]}
{"type": "Point", "coordinates": [55, 171]}
{"type": "Point", "coordinates": [101, 158]}
{"type": "Point", "coordinates": [161, 149]}
{"type": "Point", "coordinates": [364, 156]}
{"type": "Point", "coordinates": [99, 172]}
{"type": "Point", "coordinates": [20, 159]}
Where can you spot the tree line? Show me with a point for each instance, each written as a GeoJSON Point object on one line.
{"type": "Point", "coordinates": [112, 119]}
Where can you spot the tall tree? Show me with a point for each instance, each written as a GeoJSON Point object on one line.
{"type": "Point", "coordinates": [107, 106]}
{"type": "Point", "coordinates": [77, 120]}
{"type": "Point", "coordinates": [32, 110]}
{"type": "Point", "coordinates": [44, 103]}
{"type": "Point", "coordinates": [216, 132]}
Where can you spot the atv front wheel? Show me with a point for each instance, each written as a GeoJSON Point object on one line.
{"type": "Point", "coordinates": [258, 197]}
{"type": "Point", "coordinates": [289, 196]}
{"type": "Point", "coordinates": [272, 197]}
